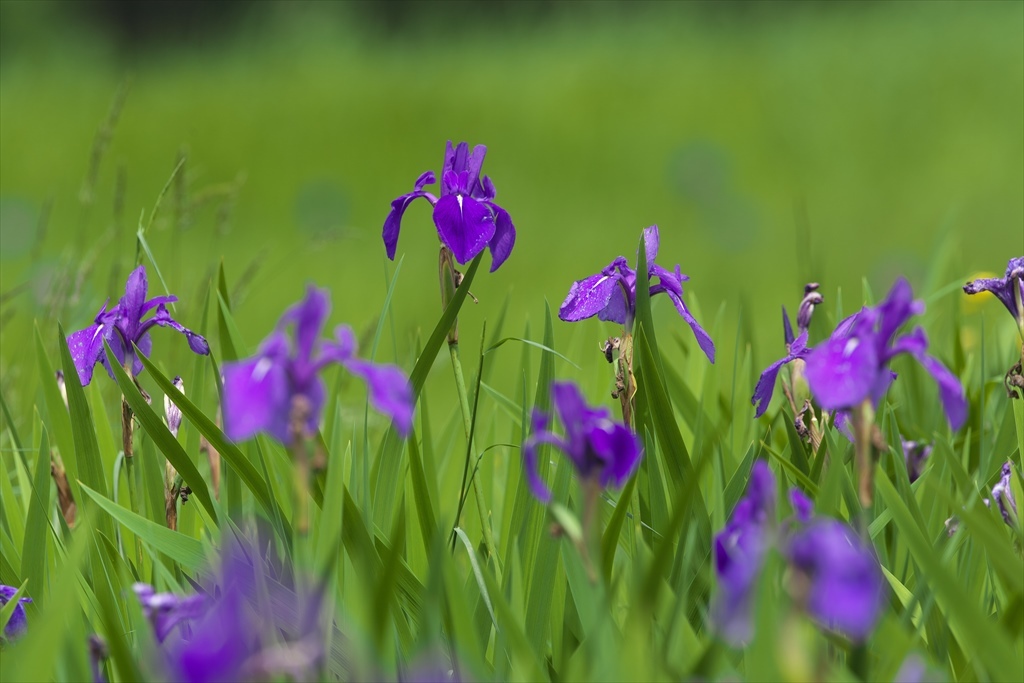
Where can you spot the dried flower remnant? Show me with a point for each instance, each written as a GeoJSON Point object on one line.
{"type": "Point", "coordinates": [261, 393]}
{"type": "Point", "coordinates": [123, 325]}
{"type": "Point", "coordinates": [18, 623]}
{"type": "Point", "coordinates": [1002, 494]}
{"type": "Point", "coordinates": [465, 215]}
{"type": "Point", "coordinates": [174, 488]}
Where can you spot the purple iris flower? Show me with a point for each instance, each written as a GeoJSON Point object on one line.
{"type": "Point", "coordinates": [166, 610]}
{"type": "Point", "coordinates": [611, 294]}
{"type": "Point", "coordinates": [765, 387]}
{"type": "Point", "coordinates": [853, 365]}
{"type": "Point", "coordinates": [122, 326]}
{"type": "Point", "coordinates": [18, 622]}
{"type": "Point", "coordinates": [598, 447]}
{"type": "Point", "coordinates": [1009, 289]}
{"type": "Point", "coordinates": [260, 393]}
{"type": "Point", "coordinates": [466, 217]}
{"type": "Point", "coordinates": [739, 551]}
{"type": "Point", "coordinates": [841, 582]}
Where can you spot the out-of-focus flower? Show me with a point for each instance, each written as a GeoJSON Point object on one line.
{"type": "Point", "coordinates": [598, 447]}
{"type": "Point", "coordinates": [122, 326]}
{"type": "Point", "coordinates": [611, 293]}
{"type": "Point", "coordinates": [98, 653]}
{"type": "Point", "coordinates": [166, 610]}
{"type": "Point", "coordinates": [1002, 494]}
{"type": "Point", "coordinates": [739, 551]}
{"type": "Point", "coordinates": [836, 576]}
{"type": "Point", "coordinates": [853, 365]}
{"type": "Point", "coordinates": [261, 393]}
{"type": "Point", "coordinates": [18, 622]}
{"type": "Point", "coordinates": [466, 216]}
{"type": "Point", "coordinates": [1009, 289]}
{"type": "Point", "coordinates": [173, 412]}
{"type": "Point", "coordinates": [915, 454]}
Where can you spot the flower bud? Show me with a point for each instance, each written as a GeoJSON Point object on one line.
{"type": "Point", "coordinates": [811, 299]}
{"type": "Point", "coordinates": [173, 412]}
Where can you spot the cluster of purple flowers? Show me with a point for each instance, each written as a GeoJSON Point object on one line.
{"type": "Point", "coordinates": [839, 579]}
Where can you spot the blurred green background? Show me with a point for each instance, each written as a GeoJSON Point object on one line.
{"type": "Point", "coordinates": [773, 144]}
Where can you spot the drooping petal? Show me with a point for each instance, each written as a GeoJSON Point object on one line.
{"type": "Point", "coordinates": [951, 392]}
{"type": "Point", "coordinates": [166, 610]}
{"type": "Point", "coordinates": [389, 391]}
{"type": "Point", "coordinates": [464, 225]}
{"type": "Point", "coordinates": [156, 301]}
{"type": "Point", "coordinates": [393, 223]}
{"type": "Point", "coordinates": [668, 282]}
{"type": "Point", "coordinates": [163, 318]}
{"type": "Point", "coordinates": [504, 236]}
{"type": "Point", "coordinates": [915, 343]}
{"type": "Point", "coordinates": [703, 338]}
{"type": "Point", "coordinates": [589, 296]}
{"type": "Point", "coordinates": [530, 464]}
{"type": "Point", "coordinates": [86, 347]}
{"type": "Point", "coordinates": [617, 310]}
{"type": "Point", "coordinates": [1003, 288]}
{"type": "Point", "coordinates": [577, 417]}
{"type": "Point", "coordinates": [308, 317]}
{"type": "Point", "coordinates": [766, 383]}
{"type": "Point", "coordinates": [842, 371]}
{"type": "Point", "coordinates": [257, 398]}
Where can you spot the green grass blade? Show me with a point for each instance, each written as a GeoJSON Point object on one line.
{"type": "Point", "coordinates": [33, 552]}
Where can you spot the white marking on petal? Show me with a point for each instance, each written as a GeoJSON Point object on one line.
{"type": "Point", "coordinates": [261, 369]}
{"type": "Point", "coordinates": [458, 197]}
{"type": "Point", "coordinates": [851, 345]}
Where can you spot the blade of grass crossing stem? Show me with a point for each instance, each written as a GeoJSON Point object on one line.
{"type": "Point", "coordinates": [229, 452]}
{"type": "Point", "coordinates": [33, 552]}
{"type": "Point", "coordinates": [975, 632]}
{"type": "Point", "coordinates": [332, 515]}
{"type": "Point", "coordinates": [527, 521]}
{"type": "Point", "coordinates": [426, 512]}
{"type": "Point", "coordinates": [188, 551]}
{"type": "Point", "coordinates": [160, 435]}
{"type": "Point", "coordinates": [388, 468]}
{"type": "Point", "coordinates": [545, 567]}
{"type": "Point", "coordinates": [59, 423]}
{"type": "Point", "coordinates": [610, 540]}
{"type": "Point", "coordinates": [477, 573]}
{"type": "Point", "coordinates": [87, 450]}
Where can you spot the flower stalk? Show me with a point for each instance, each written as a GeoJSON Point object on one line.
{"type": "Point", "coordinates": [128, 449]}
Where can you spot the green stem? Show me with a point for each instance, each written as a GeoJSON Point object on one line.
{"type": "Point", "coordinates": [127, 433]}
{"type": "Point", "coordinates": [467, 420]}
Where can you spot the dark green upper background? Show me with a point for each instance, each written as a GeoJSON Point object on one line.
{"type": "Point", "coordinates": [772, 143]}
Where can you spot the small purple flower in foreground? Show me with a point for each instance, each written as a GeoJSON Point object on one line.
{"type": "Point", "coordinates": [739, 551]}
{"type": "Point", "coordinates": [18, 621]}
{"type": "Point", "coordinates": [611, 294]}
{"type": "Point", "coordinates": [853, 365]}
{"type": "Point", "coordinates": [1002, 494]}
{"type": "Point", "coordinates": [123, 326]}
{"type": "Point", "coordinates": [466, 217]}
{"type": "Point", "coordinates": [166, 610]}
{"type": "Point", "coordinates": [796, 348]}
{"type": "Point", "coordinates": [841, 583]}
{"type": "Point", "coordinates": [260, 393]}
{"type": "Point", "coordinates": [598, 447]}
{"type": "Point", "coordinates": [1009, 289]}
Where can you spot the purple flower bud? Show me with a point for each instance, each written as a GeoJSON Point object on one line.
{"type": "Point", "coordinates": [173, 412]}
{"type": "Point", "coordinates": [1002, 494]}
{"type": "Point", "coordinates": [123, 326]}
{"type": "Point", "coordinates": [811, 299]}
{"type": "Point", "coordinates": [915, 454]}
{"type": "Point", "coordinates": [18, 622]}
{"type": "Point", "coordinates": [98, 653]}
